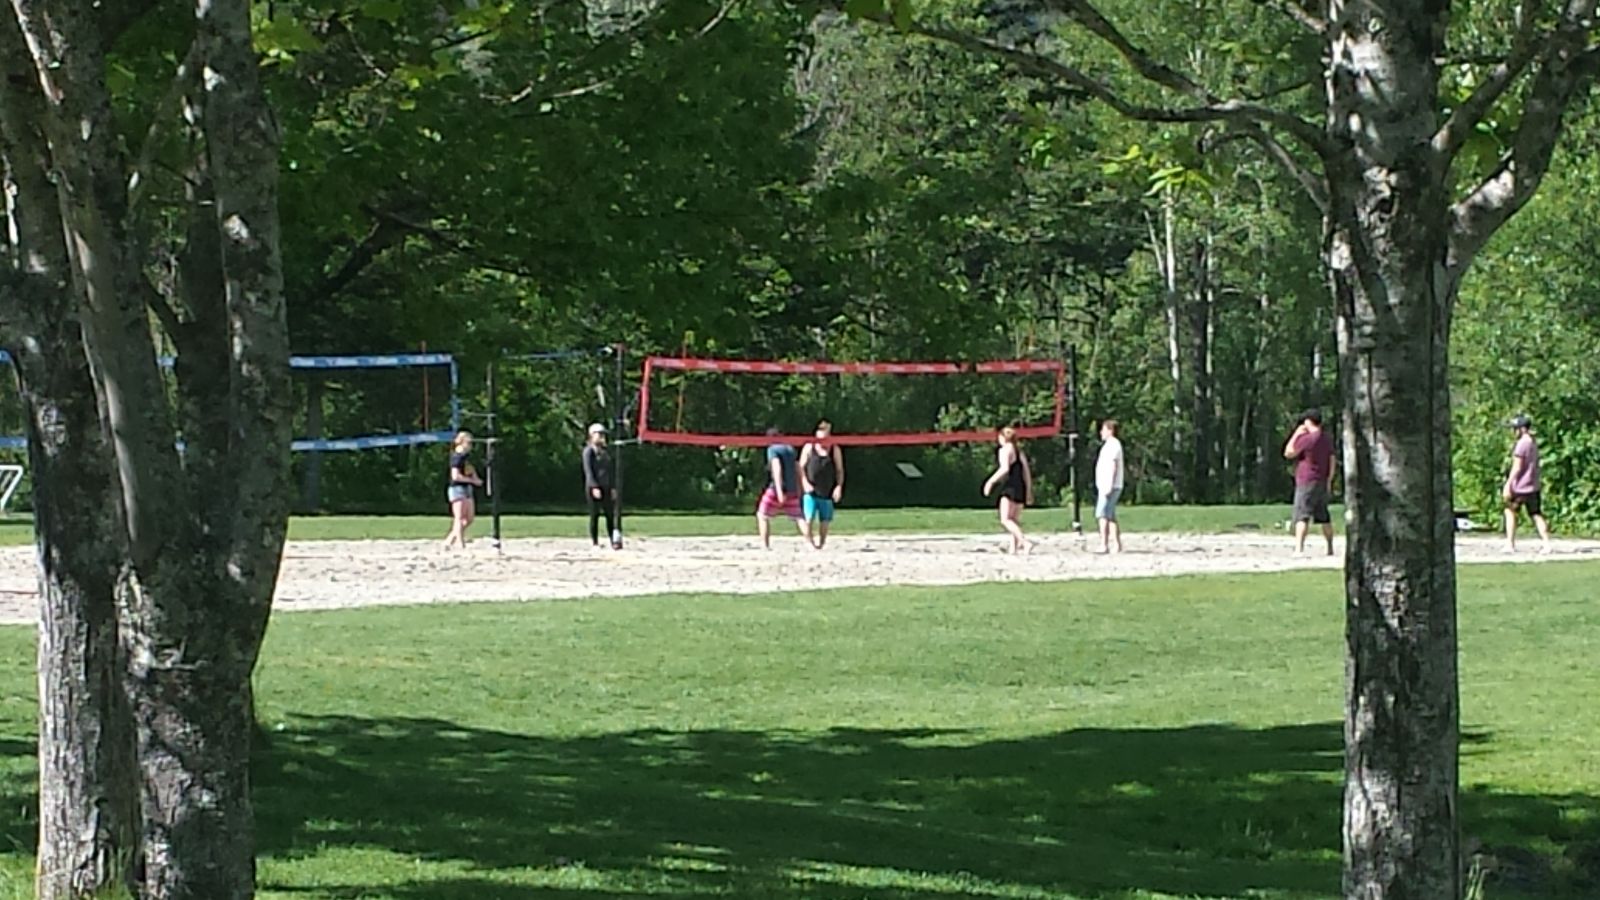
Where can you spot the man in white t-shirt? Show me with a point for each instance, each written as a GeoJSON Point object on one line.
{"type": "Point", "coordinates": [1108, 473]}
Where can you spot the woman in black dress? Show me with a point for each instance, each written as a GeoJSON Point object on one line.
{"type": "Point", "coordinates": [1015, 480]}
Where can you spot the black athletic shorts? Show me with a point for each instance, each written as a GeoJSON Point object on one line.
{"type": "Point", "coordinates": [1530, 502]}
{"type": "Point", "coordinates": [1311, 503]}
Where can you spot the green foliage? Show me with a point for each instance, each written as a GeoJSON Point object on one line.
{"type": "Point", "coordinates": [761, 181]}
{"type": "Point", "coordinates": [1524, 338]}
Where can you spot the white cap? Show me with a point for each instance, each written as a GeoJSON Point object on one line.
{"type": "Point", "coordinates": [597, 428]}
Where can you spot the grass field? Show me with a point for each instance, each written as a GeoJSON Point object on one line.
{"type": "Point", "coordinates": [1141, 739]}
{"type": "Point", "coordinates": [1199, 519]}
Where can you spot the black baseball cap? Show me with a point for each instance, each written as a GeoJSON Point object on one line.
{"type": "Point", "coordinates": [1520, 421]}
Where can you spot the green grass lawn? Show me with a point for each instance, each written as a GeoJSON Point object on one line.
{"type": "Point", "coordinates": [1139, 739]}
{"type": "Point", "coordinates": [1201, 519]}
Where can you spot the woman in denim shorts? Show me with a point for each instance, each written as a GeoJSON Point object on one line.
{"type": "Point", "coordinates": [463, 478]}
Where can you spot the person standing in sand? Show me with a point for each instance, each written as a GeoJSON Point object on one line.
{"type": "Point", "coordinates": [822, 479]}
{"type": "Point", "coordinates": [1108, 479]}
{"type": "Point", "coordinates": [1014, 477]}
{"type": "Point", "coordinates": [463, 478]}
{"type": "Point", "coordinates": [600, 486]}
{"type": "Point", "coordinates": [1523, 487]}
{"type": "Point", "coordinates": [783, 491]}
{"type": "Point", "coordinates": [1312, 452]}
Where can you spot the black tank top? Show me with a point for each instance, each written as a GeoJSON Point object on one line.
{"type": "Point", "coordinates": [1016, 477]}
{"type": "Point", "coordinates": [820, 470]}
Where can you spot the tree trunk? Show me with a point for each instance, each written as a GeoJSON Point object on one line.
{"type": "Point", "coordinates": [1387, 254]}
{"type": "Point", "coordinates": [1402, 727]}
{"type": "Point", "coordinates": [1256, 433]}
{"type": "Point", "coordinates": [198, 623]}
{"type": "Point", "coordinates": [190, 690]}
{"type": "Point", "coordinates": [200, 540]}
{"type": "Point", "coordinates": [1164, 247]}
{"type": "Point", "coordinates": [1201, 430]}
{"type": "Point", "coordinates": [86, 785]}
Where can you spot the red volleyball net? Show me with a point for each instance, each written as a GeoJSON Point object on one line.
{"type": "Point", "coordinates": [731, 403]}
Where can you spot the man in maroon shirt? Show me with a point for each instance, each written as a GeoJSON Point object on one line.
{"type": "Point", "coordinates": [1522, 487]}
{"type": "Point", "coordinates": [1312, 450]}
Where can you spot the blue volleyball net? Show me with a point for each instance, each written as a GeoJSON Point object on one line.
{"type": "Point", "coordinates": [409, 419]}
{"type": "Point", "coordinates": [410, 414]}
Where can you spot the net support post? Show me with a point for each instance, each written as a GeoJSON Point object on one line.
{"type": "Point", "coordinates": [621, 424]}
{"type": "Point", "coordinates": [1071, 432]}
{"type": "Point", "coordinates": [455, 395]}
{"type": "Point", "coordinates": [492, 483]}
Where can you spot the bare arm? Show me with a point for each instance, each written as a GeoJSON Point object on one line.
{"type": "Point", "coordinates": [589, 477]}
{"type": "Point", "coordinates": [1004, 464]}
{"type": "Point", "coordinates": [838, 468]}
{"type": "Point", "coordinates": [805, 483]}
{"type": "Point", "coordinates": [1517, 464]}
{"type": "Point", "coordinates": [776, 468]}
{"type": "Point", "coordinates": [1291, 449]}
{"type": "Point", "coordinates": [1027, 480]}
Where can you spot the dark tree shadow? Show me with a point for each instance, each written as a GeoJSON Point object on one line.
{"type": "Point", "coordinates": [1212, 811]}
{"type": "Point", "coordinates": [19, 796]}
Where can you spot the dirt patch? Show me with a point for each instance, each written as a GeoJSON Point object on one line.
{"type": "Point", "coordinates": [340, 574]}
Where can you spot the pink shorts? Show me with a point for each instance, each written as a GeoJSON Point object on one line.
{"type": "Point", "coordinates": [770, 507]}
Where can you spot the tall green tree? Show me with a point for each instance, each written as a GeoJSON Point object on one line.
{"type": "Point", "coordinates": [1405, 212]}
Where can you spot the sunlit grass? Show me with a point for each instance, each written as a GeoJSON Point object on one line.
{"type": "Point", "coordinates": [1140, 739]}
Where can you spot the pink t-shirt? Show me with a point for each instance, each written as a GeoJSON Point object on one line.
{"type": "Point", "coordinates": [1527, 480]}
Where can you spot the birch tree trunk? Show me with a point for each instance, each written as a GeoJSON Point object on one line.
{"type": "Point", "coordinates": [199, 536]}
{"type": "Point", "coordinates": [1387, 257]}
{"type": "Point", "coordinates": [1164, 247]}
{"type": "Point", "coordinates": [86, 784]}
{"type": "Point", "coordinates": [196, 718]}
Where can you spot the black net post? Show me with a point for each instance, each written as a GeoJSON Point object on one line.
{"type": "Point", "coordinates": [620, 431]}
{"type": "Point", "coordinates": [493, 481]}
{"type": "Point", "coordinates": [1072, 437]}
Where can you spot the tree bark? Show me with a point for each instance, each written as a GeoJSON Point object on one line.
{"type": "Point", "coordinates": [199, 624]}
{"type": "Point", "coordinates": [87, 808]}
{"type": "Point", "coordinates": [86, 788]}
{"type": "Point", "coordinates": [1387, 252]}
{"type": "Point", "coordinates": [200, 538]}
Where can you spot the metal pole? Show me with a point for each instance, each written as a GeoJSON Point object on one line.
{"type": "Point", "coordinates": [494, 474]}
{"type": "Point", "coordinates": [621, 424]}
{"type": "Point", "coordinates": [1072, 437]}
{"type": "Point", "coordinates": [455, 395]}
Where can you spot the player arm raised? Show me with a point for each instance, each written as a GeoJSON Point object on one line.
{"type": "Point", "coordinates": [1291, 449]}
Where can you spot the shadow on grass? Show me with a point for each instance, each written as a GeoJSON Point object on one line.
{"type": "Point", "coordinates": [1209, 811]}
